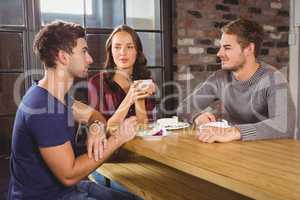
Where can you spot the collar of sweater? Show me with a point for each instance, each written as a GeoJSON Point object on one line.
{"type": "Point", "coordinates": [253, 80]}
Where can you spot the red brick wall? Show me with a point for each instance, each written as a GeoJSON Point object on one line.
{"type": "Point", "coordinates": [196, 32]}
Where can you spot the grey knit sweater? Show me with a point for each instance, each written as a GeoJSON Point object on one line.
{"type": "Point", "coordinates": [261, 107]}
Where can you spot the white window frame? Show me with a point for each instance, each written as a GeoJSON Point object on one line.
{"type": "Point", "coordinates": [294, 47]}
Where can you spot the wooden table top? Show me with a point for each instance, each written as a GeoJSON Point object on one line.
{"type": "Point", "coordinates": [268, 169]}
{"type": "Point", "coordinates": [151, 180]}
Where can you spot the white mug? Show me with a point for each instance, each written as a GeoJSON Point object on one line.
{"type": "Point", "coordinates": [144, 83]}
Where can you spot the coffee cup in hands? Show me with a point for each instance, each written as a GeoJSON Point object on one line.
{"type": "Point", "coordinates": [146, 86]}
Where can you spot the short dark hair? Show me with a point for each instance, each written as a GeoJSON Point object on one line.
{"type": "Point", "coordinates": [57, 35]}
{"type": "Point", "coordinates": [247, 32]}
{"type": "Point", "coordinates": [140, 71]}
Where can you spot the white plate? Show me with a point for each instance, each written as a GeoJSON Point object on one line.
{"type": "Point", "coordinates": [172, 123]}
{"type": "Point", "coordinates": [179, 125]}
{"type": "Point", "coordinates": [151, 137]}
{"type": "Point", "coordinates": [148, 134]}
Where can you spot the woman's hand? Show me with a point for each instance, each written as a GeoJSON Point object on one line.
{"type": "Point", "coordinates": [96, 140]}
{"type": "Point", "coordinates": [204, 118]}
{"type": "Point", "coordinates": [149, 88]}
{"type": "Point", "coordinates": [138, 91]}
{"type": "Point", "coordinates": [126, 130]}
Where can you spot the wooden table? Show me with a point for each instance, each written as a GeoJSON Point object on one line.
{"type": "Point", "coordinates": [155, 181]}
{"type": "Point", "coordinates": [261, 169]}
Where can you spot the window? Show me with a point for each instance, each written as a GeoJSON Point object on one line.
{"type": "Point", "coordinates": [77, 8]}
{"type": "Point", "coordinates": [11, 51]}
{"type": "Point", "coordinates": [100, 17]}
{"type": "Point", "coordinates": [55, 9]}
{"type": "Point", "coordinates": [11, 13]}
{"type": "Point", "coordinates": [147, 16]}
{"type": "Point", "coordinates": [12, 64]}
{"type": "Point", "coordinates": [152, 47]}
{"type": "Point", "coordinates": [106, 14]}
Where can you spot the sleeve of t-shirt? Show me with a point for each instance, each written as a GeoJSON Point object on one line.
{"type": "Point", "coordinates": [49, 129]}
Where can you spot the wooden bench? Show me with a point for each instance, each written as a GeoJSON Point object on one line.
{"type": "Point", "coordinates": [154, 181]}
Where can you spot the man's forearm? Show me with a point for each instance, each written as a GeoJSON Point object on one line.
{"type": "Point", "coordinates": [281, 120]}
{"type": "Point", "coordinates": [140, 110]}
{"type": "Point", "coordinates": [83, 165]}
{"type": "Point", "coordinates": [267, 129]}
{"type": "Point", "coordinates": [120, 114]}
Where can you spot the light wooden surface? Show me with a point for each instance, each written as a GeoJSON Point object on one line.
{"type": "Point", "coordinates": [154, 181]}
{"type": "Point", "coordinates": [260, 169]}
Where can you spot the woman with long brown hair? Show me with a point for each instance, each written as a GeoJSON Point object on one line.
{"type": "Point", "coordinates": [120, 91]}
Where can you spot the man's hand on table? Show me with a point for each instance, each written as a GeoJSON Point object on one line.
{"type": "Point", "coordinates": [204, 118]}
{"type": "Point", "coordinates": [210, 134]}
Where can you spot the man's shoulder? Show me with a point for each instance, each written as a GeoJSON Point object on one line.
{"type": "Point", "coordinates": [39, 102]}
{"type": "Point", "coordinates": [269, 76]}
{"type": "Point", "coordinates": [35, 96]}
{"type": "Point", "coordinates": [220, 76]}
{"type": "Point", "coordinates": [222, 73]}
{"type": "Point", "coordinates": [271, 71]}
{"type": "Point", "coordinates": [268, 68]}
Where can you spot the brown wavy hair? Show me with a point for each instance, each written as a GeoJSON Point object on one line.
{"type": "Point", "coordinates": [247, 32]}
{"type": "Point", "coordinates": [58, 35]}
{"type": "Point", "coordinates": [140, 70]}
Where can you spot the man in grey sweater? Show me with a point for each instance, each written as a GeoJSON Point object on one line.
{"type": "Point", "coordinates": [255, 97]}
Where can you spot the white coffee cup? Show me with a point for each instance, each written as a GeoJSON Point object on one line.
{"type": "Point", "coordinates": [144, 83]}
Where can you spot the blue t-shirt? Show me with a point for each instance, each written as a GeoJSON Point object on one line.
{"type": "Point", "coordinates": [41, 121]}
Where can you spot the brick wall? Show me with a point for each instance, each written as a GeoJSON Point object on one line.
{"type": "Point", "coordinates": [196, 33]}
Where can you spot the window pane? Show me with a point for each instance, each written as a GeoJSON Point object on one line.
{"type": "Point", "coordinates": [67, 10]}
{"type": "Point", "coordinates": [96, 44]}
{"type": "Point", "coordinates": [6, 126]}
{"type": "Point", "coordinates": [11, 51]}
{"type": "Point", "coordinates": [152, 48]}
{"type": "Point", "coordinates": [11, 12]}
{"type": "Point", "coordinates": [7, 91]}
{"type": "Point", "coordinates": [157, 76]}
{"type": "Point", "coordinates": [105, 14]}
{"type": "Point", "coordinates": [143, 14]}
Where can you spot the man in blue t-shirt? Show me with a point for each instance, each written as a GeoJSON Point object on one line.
{"type": "Point", "coordinates": [43, 163]}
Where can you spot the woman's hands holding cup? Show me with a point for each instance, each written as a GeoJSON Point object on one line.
{"type": "Point", "coordinates": [140, 89]}
{"type": "Point", "coordinates": [147, 86]}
